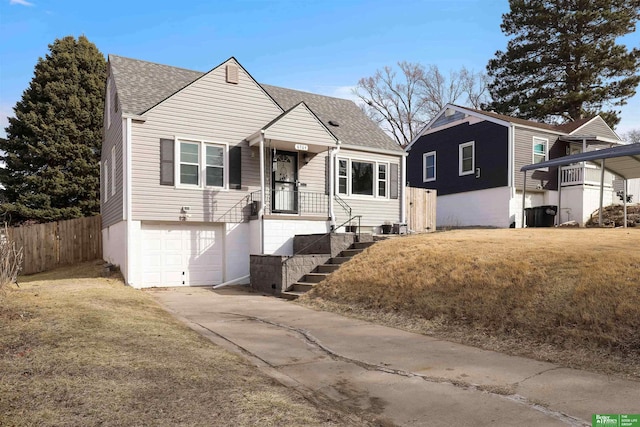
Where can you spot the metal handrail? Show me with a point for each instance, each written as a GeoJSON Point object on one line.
{"type": "Point", "coordinates": [343, 205]}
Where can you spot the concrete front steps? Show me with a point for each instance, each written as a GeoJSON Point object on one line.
{"type": "Point", "coordinates": [321, 272]}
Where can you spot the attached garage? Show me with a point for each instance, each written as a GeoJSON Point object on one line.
{"type": "Point", "coordinates": [178, 254]}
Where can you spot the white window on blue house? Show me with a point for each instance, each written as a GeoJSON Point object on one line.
{"type": "Point", "coordinates": [467, 161]}
{"type": "Point", "coordinates": [429, 166]}
{"type": "Point", "coordinates": [539, 149]}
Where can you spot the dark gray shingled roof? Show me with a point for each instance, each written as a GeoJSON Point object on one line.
{"type": "Point", "coordinates": [141, 85]}
{"type": "Point", "coordinates": [355, 128]}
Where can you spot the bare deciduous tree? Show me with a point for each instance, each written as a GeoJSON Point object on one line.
{"type": "Point", "coordinates": [632, 137]}
{"type": "Point", "coordinates": [10, 259]}
{"type": "Point", "coordinates": [402, 103]}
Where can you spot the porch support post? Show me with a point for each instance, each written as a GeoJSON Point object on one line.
{"type": "Point", "coordinates": [524, 193]}
{"type": "Point", "coordinates": [624, 202]}
{"type": "Point", "coordinates": [559, 195]}
{"type": "Point", "coordinates": [262, 193]}
{"type": "Point", "coordinates": [403, 183]}
{"type": "Point", "coordinates": [601, 193]}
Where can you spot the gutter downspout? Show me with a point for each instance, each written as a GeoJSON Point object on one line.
{"type": "Point", "coordinates": [332, 185]}
{"type": "Point", "coordinates": [262, 193]}
{"type": "Point", "coordinates": [403, 183]}
{"type": "Point", "coordinates": [129, 208]}
{"type": "Point", "coordinates": [239, 281]}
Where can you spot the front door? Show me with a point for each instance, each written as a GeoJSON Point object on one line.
{"type": "Point", "coordinates": [285, 179]}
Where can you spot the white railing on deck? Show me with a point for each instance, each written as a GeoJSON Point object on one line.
{"type": "Point", "coordinates": [587, 174]}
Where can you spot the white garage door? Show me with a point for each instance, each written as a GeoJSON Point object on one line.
{"type": "Point", "coordinates": [181, 255]}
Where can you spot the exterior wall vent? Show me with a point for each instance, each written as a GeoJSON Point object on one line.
{"type": "Point", "coordinates": [232, 73]}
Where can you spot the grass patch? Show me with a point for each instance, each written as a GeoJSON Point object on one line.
{"type": "Point", "coordinates": [91, 351]}
{"type": "Point", "coordinates": [570, 296]}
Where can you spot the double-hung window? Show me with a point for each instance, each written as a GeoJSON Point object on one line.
{"type": "Point", "coordinates": [429, 166]}
{"type": "Point", "coordinates": [201, 164]}
{"type": "Point", "coordinates": [363, 178]}
{"type": "Point", "coordinates": [539, 149]}
{"type": "Point", "coordinates": [382, 180]}
{"type": "Point", "coordinates": [467, 159]}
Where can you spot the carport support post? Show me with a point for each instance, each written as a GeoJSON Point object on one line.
{"type": "Point", "coordinates": [559, 195]}
{"type": "Point", "coordinates": [524, 193]}
{"type": "Point", "coordinates": [601, 193]}
{"type": "Point", "coordinates": [624, 202]}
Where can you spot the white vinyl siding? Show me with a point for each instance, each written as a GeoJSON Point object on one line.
{"type": "Point", "coordinates": [467, 158]}
{"type": "Point", "coordinates": [429, 166]}
{"type": "Point", "coordinates": [540, 149]}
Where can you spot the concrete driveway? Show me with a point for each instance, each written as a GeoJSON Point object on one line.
{"type": "Point", "coordinates": [396, 377]}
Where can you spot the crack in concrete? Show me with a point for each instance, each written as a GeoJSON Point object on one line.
{"type": "Point", "coordinates": [537, 374]}
{"type": "Point", "coordinates": [561, 416]}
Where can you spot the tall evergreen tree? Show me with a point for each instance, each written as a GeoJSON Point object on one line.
{"type": "Point", "coordinates": [52, 150]}
{"type": "Point", "coordinates": [563, 62]}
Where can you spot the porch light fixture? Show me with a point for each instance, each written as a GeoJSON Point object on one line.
{"type": "Point", "coordinates": [306, 158]}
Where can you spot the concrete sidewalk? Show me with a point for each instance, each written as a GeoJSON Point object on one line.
{"type": "Point", "coordinates": [399, 377]}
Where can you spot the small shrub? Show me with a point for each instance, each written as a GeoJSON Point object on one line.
{"type": "Point", "coordinates": [10, 259]}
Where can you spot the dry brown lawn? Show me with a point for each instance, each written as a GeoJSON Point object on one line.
{"type": "Point", "coordinates": [80, 350]}
{"type": "Point", "coordinates": [570, 296]}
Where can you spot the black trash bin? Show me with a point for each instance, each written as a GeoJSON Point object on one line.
{"type": "Point", "coordinates": [530, 218]}
{"type": "Point", "coordinates": [541, 216]}
{"type": "Point", "coordinates": [547, 215]}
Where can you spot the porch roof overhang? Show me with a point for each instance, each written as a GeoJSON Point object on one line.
{"type": "Point", "coordinates": [590, 139]}
{"type": "Point", "coordinates": [297, 129]}
{"type": "Point", "coordinates": [623, 161]}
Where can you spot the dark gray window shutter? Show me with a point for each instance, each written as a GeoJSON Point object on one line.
{"type": "Point", "coordinates": [393, 181]}
{"type": "Point", "coordinates": [235, 167]}
{"type": "Point", "coordinates": [167, 155]}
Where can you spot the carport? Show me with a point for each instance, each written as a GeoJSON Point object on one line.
{"type": "Point", "coordinates": [623, 161]}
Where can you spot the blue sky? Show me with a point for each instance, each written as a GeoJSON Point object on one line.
{"type": "Point", "coordinates": [317, 46]}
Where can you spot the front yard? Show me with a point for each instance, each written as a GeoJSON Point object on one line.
{"type": "Point", "coordinates": [77, 350]}
{"type": "Point", "coordinates": [569, 296]}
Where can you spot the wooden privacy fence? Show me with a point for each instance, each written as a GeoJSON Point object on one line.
{"type": "Point", "coordinates": [54, 244]}
{"type": "Point", "coordinates": [421, 209]}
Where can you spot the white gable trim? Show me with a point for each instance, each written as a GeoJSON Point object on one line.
{"type": "Point", "coordinates": [457, 108]}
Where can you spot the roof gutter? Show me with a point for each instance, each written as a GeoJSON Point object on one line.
{"type": "Point", "coordinates": [375, 150]}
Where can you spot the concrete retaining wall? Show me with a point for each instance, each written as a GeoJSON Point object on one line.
{"type": "Point", "coordinates": [271, 274]}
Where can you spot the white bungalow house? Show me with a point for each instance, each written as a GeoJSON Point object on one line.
{"type": "Point", "coordinates": [201, 170]}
